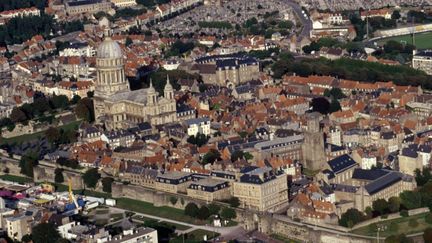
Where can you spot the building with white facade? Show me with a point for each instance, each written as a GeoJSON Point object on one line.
{"type": "Point", "coordinates": [198, 125]}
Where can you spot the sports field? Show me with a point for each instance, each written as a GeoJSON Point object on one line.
{"type": "Point", "coordinates": [422, 40]}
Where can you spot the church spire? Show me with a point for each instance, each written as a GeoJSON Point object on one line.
{"type": "Point", "coordinates": [168, 90]}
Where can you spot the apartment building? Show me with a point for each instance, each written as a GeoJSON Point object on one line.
{"type": "Point", "coordinates": [261, 189]}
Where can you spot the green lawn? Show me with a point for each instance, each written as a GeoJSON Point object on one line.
{"type": "Point", "coordinates": [195, 236]}
{"type": "Point", "coordinates": [422, 41]}
{"type": "Point", "coordinates": [37, 135]}
{"type": "Point", "coordinates": [164, 212]}
{"type": "Point", "coordinates": [403, 226]}
{"type": "Point", "coordinates": [18, 179]}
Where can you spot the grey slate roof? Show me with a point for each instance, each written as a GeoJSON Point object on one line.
{"type": "Point", "coordinates": [341, 163]}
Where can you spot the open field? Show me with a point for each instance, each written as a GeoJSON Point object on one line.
{"type": "Point", "coordinates": [148, 208]}
{"type": "Point", "coordinates": [402, 227]}
{"type": "Point", "coordinates": [422, 40]}
{"type": "Point", "coordinates": [37, 135]}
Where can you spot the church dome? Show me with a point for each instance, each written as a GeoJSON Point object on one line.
{"type": "Point", "coordinates": [109, 49]}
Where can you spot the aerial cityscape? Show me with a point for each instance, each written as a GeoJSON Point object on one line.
{"type": "Point", "coordinates": [146, 121]}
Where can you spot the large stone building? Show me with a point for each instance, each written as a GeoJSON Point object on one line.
{"type": "Point", "coordinates": [262, 189]}
{"type": "Point", "coordinates": [227, 70]}
{"type": "Point", "coordinates": [116, 105]}
{"type": "Point", "coordinates": [73, 7]}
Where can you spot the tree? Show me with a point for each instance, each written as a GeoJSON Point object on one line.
{"type": "Point", "coordinates": [236, 155]}
{"type": "Point", "coordinates": [234, 202]}
{"type": "Point", "coordinates": [107, 184]}
{"type": "Point", "coordinates": [351, 217]}
{"type": "Point", "coordinates": [45, 232]}
{"type": "Point", "coordinates": [18, 115]}
{"type": "Point", "coordinates": [203, 213]}
{"type": "Point", "coordinates": [59, 101]}
{"type": "Point", "coordinates": [394, 204]}
{"type": "Point", "coordinates": [334, 106]}
{"type": "Point", "coordinates": [380, 206]}
{"type": "Point", "coordinates": [228, 213]}
{"type": "Point", "coordinates": [26, 238]}
{"type": "Point", "coordinates": [411, 199]}
{"type": "Point", "coordinates": [52, 134]}
{"type": "Point", "coordinates": [213, 208]}
{"type": "Point", "coordinates": [85, 110]}
{"type": "Point", "coordinates": [192, 210]}
{"type": "Point", "coordinates": [58, 175]}
{"type": "Point", "coordinates": [72, 163]}
{"type": "Point", "coordinates": [91, 177]}
{"type": "Point", "coordinates": [128, 41]}
{"type": "Point", "coordinates": [75, 99]}
{"type": "Point", "coordinates": [428, 218]}
{"type": "Point", "coordinates": [396, 15]}
{"type": "Point", "coordinates": [210, 157]}
{"type": "Point", "coordinates": [427, 235]}
{"type": "Point", "coordinates": [173, 200]}
{"type": "Point", "coordinates": [422, 176]}
{"type": "Point", "coordinates": [320, 105]}
{"type": "Point", "coordinates": [27, 162]}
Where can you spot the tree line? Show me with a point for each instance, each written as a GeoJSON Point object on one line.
{"type": "Point", "coordinates": [357, 70]}
{"type": "Point", "coordinates": [20, 29]}
{"type": "Point", "coordinates": [17, 4]}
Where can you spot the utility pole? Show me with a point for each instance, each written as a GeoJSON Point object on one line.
{"type": "Point", "coordinates": [367, 24]}
{"type": "Point", "coordinates": [413, 33]}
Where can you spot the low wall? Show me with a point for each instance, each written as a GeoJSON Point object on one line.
{"type": "Point", "coordinates": [389, 217]}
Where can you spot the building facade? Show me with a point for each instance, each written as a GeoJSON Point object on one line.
{"type": "Point", "coordinates": [116, 105]}
{"type": "Point", "coordinates": [262, 189]}
{"type": "Point", "coordinates": [423, 61]}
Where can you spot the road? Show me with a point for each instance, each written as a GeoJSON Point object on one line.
{"type": "Point", "coordinates": [306, 22]}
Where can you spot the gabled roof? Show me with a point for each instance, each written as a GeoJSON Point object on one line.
{"type": "Point", "coordinates": [370, 175]}
{"type": "Point", "coordinates": [383, 182]}
{"type": "Point", "coordinates": [341, 163]}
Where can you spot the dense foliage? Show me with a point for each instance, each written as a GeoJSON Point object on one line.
{"type": "Point", "coordinates": [351, 217]}
{"type": "Point", "coordinates": [45, 232]}
{"type": "Point", "coordinates": [107, 184]}
{"type": "Point", "coordinates": [179, 48]}
{"type": "Point", "coordinates": [27, 162]}
{"type": "Point", "coordinates": [17, 4]}
{"type": "Point", "coordinates": [91, 177]}
{"type": "Point", "coordinates": [18, 30]}
{"type": "Point", "coordinates": [58, 175]}
{"type": "Point", "coordinates": [354, 70]}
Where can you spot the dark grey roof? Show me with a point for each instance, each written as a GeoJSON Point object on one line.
{"type": "Point", "coordinates": [83, 2]}
{"type": "Point", "coordinates": [425, 53]}
{"type": "Point", "coordinates": [383, 182]}
{"type": "Point", "coordinates": [341, 163]}
{"type": "Point", "coordinates": [409, 152]}
{"type": "Point", "coordinates": [370, 175]}
{"type": "Point", "coordinates": [424, 148]}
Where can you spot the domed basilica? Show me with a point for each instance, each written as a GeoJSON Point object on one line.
{"type": "Point", "coordinates": [116, 105]}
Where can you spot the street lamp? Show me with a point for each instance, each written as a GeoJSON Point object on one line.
{"type": "Point", "coordinates": [381, 228]}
